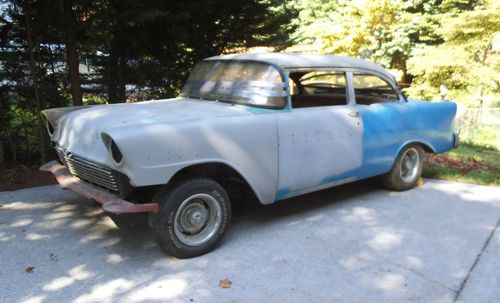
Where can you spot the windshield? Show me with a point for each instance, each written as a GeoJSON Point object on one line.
{"type": "Point", "coordinates": [251, 83]}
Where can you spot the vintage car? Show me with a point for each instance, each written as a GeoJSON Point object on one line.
{"type": "Point", "coordinates": [279, 125]}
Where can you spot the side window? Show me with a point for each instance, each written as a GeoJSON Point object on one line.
{"type": "Point", "coordinates": [370, 89]}
{"type": "Point", "coordinates": [319, 88]}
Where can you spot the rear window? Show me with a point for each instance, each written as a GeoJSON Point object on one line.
{"type": "Point", "coordinates": [370, 89]}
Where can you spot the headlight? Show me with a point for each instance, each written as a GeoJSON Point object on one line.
{"type": "Point", "coordinates": [50, 128]}
{"type": "Point", "coordinates": [115, 152]}
{"type": "Point", "coordinates": [112, 147]}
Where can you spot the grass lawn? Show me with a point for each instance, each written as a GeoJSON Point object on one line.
{"type": "Point", "coordinates": [469, 163]}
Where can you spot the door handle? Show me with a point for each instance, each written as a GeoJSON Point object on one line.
{"type": "Point", "coordinates": [354, 114]}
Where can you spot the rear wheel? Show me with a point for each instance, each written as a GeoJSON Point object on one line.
{"type": "Point", "coordinates": [406, 169]}
{"type": "Point", "coordinates": [192, 219]}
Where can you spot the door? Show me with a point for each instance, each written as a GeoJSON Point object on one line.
{"type": "Point", "coordinates": [320, 140]}
{"type": "Point", "coordinates": [386, 121]}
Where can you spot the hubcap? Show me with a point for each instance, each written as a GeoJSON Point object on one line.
{"type": "Point", "coordinates": [197, 219]}
{"type": "Point", "coordinates": [410, 163]}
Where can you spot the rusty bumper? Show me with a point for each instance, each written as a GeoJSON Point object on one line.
{"type": "Point", "coordinates": [110, 202]}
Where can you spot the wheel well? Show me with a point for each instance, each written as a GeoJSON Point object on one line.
{"type": "Point", "coordinates": [426, 147]}
{"type": "Point", "coordinates": [232, 181]}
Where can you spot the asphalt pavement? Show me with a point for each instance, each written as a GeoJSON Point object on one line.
{"type": "Point", "coordinates": [354, 243]}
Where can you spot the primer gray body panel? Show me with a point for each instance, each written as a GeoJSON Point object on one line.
{"type": "Point", "coordinates": [318, 146]}
{"type": "Point", "coordinates": [159, 138]}
{"type": "Point", "coordinates": [246, 143]}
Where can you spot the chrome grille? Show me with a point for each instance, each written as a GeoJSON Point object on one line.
{"type": "Point", "coordinates": [89, 171]}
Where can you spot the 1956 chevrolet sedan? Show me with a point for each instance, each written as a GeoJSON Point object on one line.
{"type": "Point", "coordinates": [279, 125]}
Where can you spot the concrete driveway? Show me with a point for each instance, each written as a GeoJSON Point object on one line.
{"type": "Point", "coordinates": [354, 243]}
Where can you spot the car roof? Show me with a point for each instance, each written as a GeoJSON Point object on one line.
{"type": "Point", "coordinates": [306, 60]}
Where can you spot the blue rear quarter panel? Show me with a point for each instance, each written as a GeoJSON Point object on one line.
{"type": "Point", "coordinates": [388, 127]}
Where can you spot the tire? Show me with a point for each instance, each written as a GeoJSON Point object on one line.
{"type": "Point", "coordinates": [406, 170]}
{"type": "Point", "coordinates": [192, 218]}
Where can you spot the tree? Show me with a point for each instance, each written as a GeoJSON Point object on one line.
{"type": "Point", "coordinates": [385, 31]}
{"type": "Point", "coordinates": [28, 11]}
{"type": "Point", "coordinates": [152, 45]}
{"type": "Point", "coordinates": [71, 51]}
{"type": "Point", "coordinates": [33, 76]}
{"type": "Point", "coordinates": [470, 65]}
{"type": "Point", "coordinates": [378, 30]}
{"type": "Point", "coordinates": [143, 47]}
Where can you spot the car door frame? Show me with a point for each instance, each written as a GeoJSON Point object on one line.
{"type": "Point", "coordinates": [391, 82]}
{"type": "Point", "coordinates": [328, 181]}
{"type": "Point", "coordinates": [379, 159]}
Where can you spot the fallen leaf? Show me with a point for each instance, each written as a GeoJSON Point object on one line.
{"type": "Point", "coordinates": [463, 165]}
{"type": "Point", "coordinates": [226, 283]}
{"type": "Point", "coordinates": [30, 269]}
{"type": "Point", "coordinates": [420, 181]}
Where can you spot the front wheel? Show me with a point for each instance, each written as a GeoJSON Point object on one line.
{"type": "Point", "coordinates": [406, 169]}
{"type": "Point", "coordinates": [192, 219]}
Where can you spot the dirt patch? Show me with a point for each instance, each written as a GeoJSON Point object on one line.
{"type": "Point", "coordinates": [14, 177]}
{"type": "Point", "coordinates": [464, 165]}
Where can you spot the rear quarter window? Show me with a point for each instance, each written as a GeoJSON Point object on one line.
{"type": "Point", "coordinates": [371, 89]}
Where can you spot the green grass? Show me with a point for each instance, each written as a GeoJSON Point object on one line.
{"type": "Point", "coordinates": [484, 136]}
{"type": "Point", "coordinates": [469, 163]}
{"type": "Point", "coordinates": [453, 174]}
{"type": "Point", "coordinates": [486, 153]}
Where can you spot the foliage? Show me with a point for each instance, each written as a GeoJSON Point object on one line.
{"type": "Point", "coordinates": [470, 163]}
{"type": "Point", "coordinates": [154, 44]}
{"type": "Point", "coordinates": [485, 136]}
{"type": "Point", "coordinates": [140, 50]}
{"type": "Point", "coordinates": [374, 29]}
{"type": "Point", "coordinates": [471, 67]}
{"type": "Point", "coordinates": [93, 100]}
{"type": "Point", "coordinates": [27, 53]}
{"type": "Point", "coordinates": [395, 32]}
{"type": "Point", "coordinates": [137, 50]}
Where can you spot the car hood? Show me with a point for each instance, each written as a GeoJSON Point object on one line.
{"type": "Point", "coordinates": [79, 129]}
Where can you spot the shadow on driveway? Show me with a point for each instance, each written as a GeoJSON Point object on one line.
{"type": "Point", "coordinates": [352, 243]}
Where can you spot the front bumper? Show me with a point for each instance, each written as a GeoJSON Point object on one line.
{"type": "Point", "coordinates": [110, 202]}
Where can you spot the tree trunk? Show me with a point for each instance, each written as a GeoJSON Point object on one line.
{"type": "Point", "coordinates": [2, 158]}
{"type": "Point", "coordinates": [28, 156]}
{"type": "Point", "coordinates": [116, 75]}
{"type": "Point", "coordinates": [38, 102]}
{"type": "Point", "coordinates": [54, 93]}
{"type": "Point", "coordinates": [111, 78]}
{"type": "Point", "coordinates": [13, 147]}
{"type": "Point", "coordinates": [71, 52]}
{"type": "Point", "coordinates": [123, 78]}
